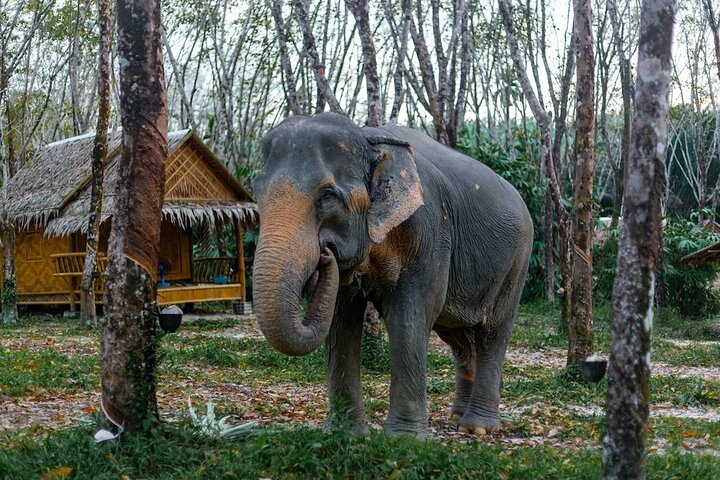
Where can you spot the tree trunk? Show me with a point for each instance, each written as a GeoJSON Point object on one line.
{"type": "Point", "coordinates": [87, 286]}
{"type": "Point", "coordinates": [628, 397]}
{"type": "Point", "coordinates": [621, 172]}
{"type": "Point", "coordinates": [293, 99]}
{"type": "Point", "coordinates": [359, 9]}
{"type": "Point", "coordinates": [714, 29]}
{"type": "Point", "coordinates": [401, 50]}
{"type": "Point", "coordinates": [580, 330]}
{"type": "Point", "coordinates": [9, 286]}
{"type": "Point", "coordinates": [549, 250]}
{"type": "Point", "coordinates": [549, 160]}
{"type": "Point", "coordinates": [129, 340]}
{"type": "Point", "coordinates": [7, 226]}
{"type": "Point", "coordinates": [324, 90]}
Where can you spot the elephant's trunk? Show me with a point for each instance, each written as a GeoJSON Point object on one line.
{"type": "Point", "coordinates": [284, 262]}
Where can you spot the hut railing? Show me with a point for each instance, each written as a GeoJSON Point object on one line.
{"type": "Point", "coordinates": [206, 269]}
{"type": "Point", "coordinates": [71, 266]}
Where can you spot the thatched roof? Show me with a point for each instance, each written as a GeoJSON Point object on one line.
{"type": "Point", "coordinates": [704, 255]}
{"type": "Point", "coordinates": [54, 192]}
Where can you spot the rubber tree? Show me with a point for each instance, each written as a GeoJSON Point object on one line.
{"type": "Point", "coordinates": [627, 405]}
{"type": "Point", "coordinates": [129, 341]}
{"type": "Point", "coordinates": [87, 285]}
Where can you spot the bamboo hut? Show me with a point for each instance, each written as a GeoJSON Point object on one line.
{"type": "Point", "coordinates": [49, 203]}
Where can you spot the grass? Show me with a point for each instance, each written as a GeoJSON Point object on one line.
{"type": "Point", "coordinates": [44, 358]}
{"type": "Point", "coordinates": [251, 355]}
{"type": "Point", "coordinates": [24, 371]}
{"type": "Point", "coordinates": [310, 453]}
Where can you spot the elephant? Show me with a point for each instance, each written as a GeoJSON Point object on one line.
{"type": "Point", "coordinates": [433, 238]}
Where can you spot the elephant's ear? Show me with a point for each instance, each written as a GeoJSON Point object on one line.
{"type": "Point", "coordinates": [395, 190]}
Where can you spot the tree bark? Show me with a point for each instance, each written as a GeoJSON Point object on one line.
{"type": "Point", "coordinates": [301, 12]}
{"type": "Point", "coordinates": [549, 253]}
{"type": "Point", "coordinates": [360, 10]}
{"type": "Point", "coordinates": [626, 85]}
{"type": "Point", "coordinates": [628, 396]}
{"type": "Point", "coordinates": [715, 29]}
{"type": "Point", "coordinates": [82, 9]}
{"type": "Point", "coordinates": [87, 286]}
{"type": "Point", "coordinates": [7, 226]}
{"type": "Point", "coordinates": [580, 329]}
{"type": "Point", "coordinates": [129, 340]}
{"type": "Point", "coordinates": [549, 160]}
{"type": "Point", "coordinates": [294, 102]}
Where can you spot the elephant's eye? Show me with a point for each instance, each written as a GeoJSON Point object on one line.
{"type": "Point", "coordinates": [327, 200]}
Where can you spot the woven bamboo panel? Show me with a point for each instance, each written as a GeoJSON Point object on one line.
{"type": "Point", "coordinates": [206, 269]}
{"type": "Point", "coordinates": [34, 264]}
{"type": "Point", "coordinates": [188, 177]}
{"type": "Point", "coordinates": [53, 298]}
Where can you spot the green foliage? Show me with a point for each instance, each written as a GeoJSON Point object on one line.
{"type": "Point", "coordinates": [518, 165]}
{"type": "Point", "coordinates": [375, 353]}
{"type": "Point", "coordinates": [311, 453]}
{"type": "Point", "coordinates": [690, 289]}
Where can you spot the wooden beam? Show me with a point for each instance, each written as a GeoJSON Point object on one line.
{"type": "Point", "coordinates": [240, 257]}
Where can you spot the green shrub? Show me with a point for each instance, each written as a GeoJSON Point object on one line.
{"type": "Point", "coordinates": [689, 288]}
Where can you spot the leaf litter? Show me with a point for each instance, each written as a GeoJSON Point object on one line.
{"type": "Point", "coordinates": [268, 402]}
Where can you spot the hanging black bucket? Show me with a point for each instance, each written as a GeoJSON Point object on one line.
{"type": "Point", "coordinates": [170, 318]}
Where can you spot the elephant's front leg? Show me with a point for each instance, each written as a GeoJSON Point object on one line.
{"type": "Point", "coordinates": [408, 375]}
{"type": "Point", "coordinates": [346, 409]}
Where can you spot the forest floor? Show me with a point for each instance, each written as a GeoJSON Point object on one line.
{"type": "Point", "coordinates": [49, 383]}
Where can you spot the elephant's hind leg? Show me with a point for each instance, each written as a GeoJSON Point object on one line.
{"type": "Point", "coordinates": [462, 343]}
{"type": "Point", "coordinates": [491, 341]}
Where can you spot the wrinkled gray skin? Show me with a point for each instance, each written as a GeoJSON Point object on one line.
{"type": "Point", "coordinates": [433, 238]}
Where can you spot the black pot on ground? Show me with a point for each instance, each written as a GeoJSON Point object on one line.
{"type": "Point", "coordinates": [170, 318]}
{"type": "Point", "coordinates": [593, 368]}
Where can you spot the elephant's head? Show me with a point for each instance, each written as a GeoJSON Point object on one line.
{"type": "Point", "coordinates": [328, 190]}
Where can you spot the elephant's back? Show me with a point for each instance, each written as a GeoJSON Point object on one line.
{"type": "Point", "coordinates": [468, 182]}
{"type": "Point", "coordinates": [491, 226]}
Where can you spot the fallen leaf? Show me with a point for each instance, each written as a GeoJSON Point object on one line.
{"type": "Point", "coordinates": [56, 473]}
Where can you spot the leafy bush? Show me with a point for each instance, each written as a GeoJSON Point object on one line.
{"type": "Point", "coordinates": [690, 289]}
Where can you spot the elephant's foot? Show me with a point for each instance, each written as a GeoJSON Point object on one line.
{"type": "Point", "coordinates": [478, 424]}
{"type": "Point", "coordinates": [413, 429]}
{"type": "Point", "coordinates": [457, 410]}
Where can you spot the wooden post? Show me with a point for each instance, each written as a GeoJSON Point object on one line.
{"type": "Point", "coordinates": [73, 281]}
{"type": "Point", "coordinates": [240, 260]}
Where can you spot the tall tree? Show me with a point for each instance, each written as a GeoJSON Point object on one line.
{"type": "Point", "coordinates": [17, 30]}
{"type": "Point", "coordinates": [324, 90]}
{"type": "Point", "coordinates": [7, 226]}
{"type": "Point", "coordinates": [549, 156]}
{"type": "Point", "coordinates": [620, 168]}
{"type": "Point", "coordinates": [628, 396]}
{"type": "Point", "coordinates": [294, 102]}
{"type": "Point", "coordinates": [360, 11]}
{"type": "Point", "coordinates": [87, 286]}
{"type": "Point", "coordinates": [580, 334]}
{"type": "Point", "coordinates": [129, 341]}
